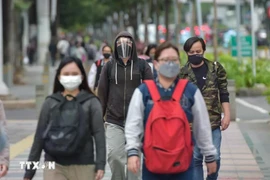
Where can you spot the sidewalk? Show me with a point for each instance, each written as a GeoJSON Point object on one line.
{"type": "Point", "coordinates": [238, 162]}
{"type": "Point", "coordinates": [25, 94]}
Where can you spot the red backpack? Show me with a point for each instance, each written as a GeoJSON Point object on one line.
{"type": "Point", "coordinates": [168, 146]}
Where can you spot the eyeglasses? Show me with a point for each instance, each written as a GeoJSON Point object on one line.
{"type": "Point", "coordinates": [172, 59]}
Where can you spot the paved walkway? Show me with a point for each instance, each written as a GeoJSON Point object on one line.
{"type": "Point", "coordinates": [238, 162]}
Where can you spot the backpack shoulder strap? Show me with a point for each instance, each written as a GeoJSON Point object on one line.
{"type": "Point", "coordinates": [85, 97]}
{"type": "Point", "coordinates": [98, 63]}
{"type": "Point", "coordinates": [179, 89]}
{"type": "Point", "coordinates": [152, 87]}
{"type": "Point", "coordinates": [142, 68]}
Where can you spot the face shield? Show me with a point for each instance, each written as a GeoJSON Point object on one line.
{"type": "Point", "coordinates": [124, 47]}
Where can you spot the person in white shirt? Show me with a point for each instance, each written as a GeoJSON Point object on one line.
{"type": "Point", "coordinates": [96, 68]}
{"type": "Point", "coordinates": [62, 47]}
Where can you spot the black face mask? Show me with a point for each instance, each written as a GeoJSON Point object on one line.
{"type": "Point", "coordinates": [106, 55]}
{"type": "Point", "coordinates": [195, 59]}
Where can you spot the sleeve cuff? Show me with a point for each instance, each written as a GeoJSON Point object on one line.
{"type": "Point", "coordinates": [210, 159]}
{"type": "Point", "coordinates": [100, 167]}
{"type": "Point", "coordinates": [133, 152]}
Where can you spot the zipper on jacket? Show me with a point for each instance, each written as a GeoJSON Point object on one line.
{"type": "Point", "coordinates": [125, 94]}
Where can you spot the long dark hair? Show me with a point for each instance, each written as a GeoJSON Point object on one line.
{"type": "Point", "coordinates": [67, 60]}
{"type": "Point", "coordinates": [149, 47]}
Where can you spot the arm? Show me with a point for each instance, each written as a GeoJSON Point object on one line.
{"type": "Point", "coordinates": [147, 71]}
{"type": "Point", "coordinates": [37, 145]}
{"type": "Point", "coordinates": [224, 95]}
{"type": "Point", "coordinates": [103, 87]}
{"type": "Point", "coordinates": [134, 124]}
{"type": "Point", "coordinates": [98, 133]}
{"type": "Point", "coordinates": [4, 154]}
{"type": "Point", "coordinates": [202, 128]}
{"type": "Point", "coordinates": [92, 76]}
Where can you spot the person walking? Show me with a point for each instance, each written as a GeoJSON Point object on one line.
{"type": "Point", "coordinates": [119, 78]}
{"type": "Point", "coordinates": [70, 125]}
{"type": "Point", "coordinates": [211, 79]}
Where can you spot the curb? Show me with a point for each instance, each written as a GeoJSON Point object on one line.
{"type": "Point", "coordinates": [19, 104]}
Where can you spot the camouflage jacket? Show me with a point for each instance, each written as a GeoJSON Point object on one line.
{"type": "Point", "coordinates": [215, 85]}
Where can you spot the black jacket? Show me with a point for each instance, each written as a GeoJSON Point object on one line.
{"type": "Point", "coordinates": [93, 110]}
{"type": "Point", "coordinates": [118, 82]}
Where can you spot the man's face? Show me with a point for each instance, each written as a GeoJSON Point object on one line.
{"type": "Point", "coordinates": [124, 47]}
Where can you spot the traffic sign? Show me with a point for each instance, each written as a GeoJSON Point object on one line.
{"type": "Point", "coordinates": [246, 46]}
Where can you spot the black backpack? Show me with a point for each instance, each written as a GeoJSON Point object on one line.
{"type": "Point", "coordinates": [68, 129]}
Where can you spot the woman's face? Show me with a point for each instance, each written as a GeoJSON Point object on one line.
{"type": "Point", "coordinates": [70, 69]}
{"type": "Point", "coordinates": [152, 52]}
{"type": "Point", "coordinates": [196, 48]}
{"type": "Point", "coordinates": [167, 55]}
{"type": "Point", "coordinates": [107, 50]}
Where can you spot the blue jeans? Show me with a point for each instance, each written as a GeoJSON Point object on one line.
{"type": "Point", "coordinates": [187, 175]}
{"type": "Point", "coordinates": [198, 158]}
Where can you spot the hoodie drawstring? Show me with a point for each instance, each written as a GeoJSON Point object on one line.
{"type": "Point", "coordinates": [131, 72]}
{"type": "Point", "coordinates": [116, 73]}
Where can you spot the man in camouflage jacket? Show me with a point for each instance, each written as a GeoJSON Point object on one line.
{"type": "Point", "coordinates": [211, 78]}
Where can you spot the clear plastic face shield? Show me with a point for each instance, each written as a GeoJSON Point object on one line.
{"type": "Point", "coordinates": [124, 47]}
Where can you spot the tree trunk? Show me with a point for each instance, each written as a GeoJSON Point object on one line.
{"type": "Point", "coordinates": [18, 65]}
{"type": "Point", "coordinates": [55, 23]}
{"type": "Point", "coordinates": [134, 24]}
{"type": "Point", "coordinates": [215, 32]}
{"type": "Point", "coordinates": [193, 20]}
{"type": "Point", "coordinates": [167, 7]}
{"type": "Point", "coordinates": [146, 17]}
{"type": "Point", "coordinates": [179, 21]}
{"type": "Point", "coordinates": [157, 20]}
{"type": "Point", "coordinates": [11, 43]}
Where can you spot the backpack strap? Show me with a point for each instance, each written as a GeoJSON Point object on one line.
{"type": "Point", "coordinates": [152, 87]}
{"type": "Point", "coordinates": [179, 89]}
{"type": "Point", "coordinates": [98, 62]}
{"type": "Point", "coordinates": [141, 68]}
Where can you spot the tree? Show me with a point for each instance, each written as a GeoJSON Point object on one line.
{"type": "Point", "coordinates": [75, 15]}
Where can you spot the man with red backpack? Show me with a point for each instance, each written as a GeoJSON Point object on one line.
{"type": "Point", "coordinates": [160, 113]}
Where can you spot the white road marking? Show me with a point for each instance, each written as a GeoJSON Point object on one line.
{"type": "Point", "coordinates": [257, 108]}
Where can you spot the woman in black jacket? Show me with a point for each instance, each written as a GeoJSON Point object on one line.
{"type": "Point", "coordinates": [74, 104]}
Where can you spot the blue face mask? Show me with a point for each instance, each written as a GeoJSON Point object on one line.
{"type": "Point", "coordinates": [169, 69]}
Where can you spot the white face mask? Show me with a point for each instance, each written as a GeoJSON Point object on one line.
{"type": "Point", "coordinates": [71, 83]}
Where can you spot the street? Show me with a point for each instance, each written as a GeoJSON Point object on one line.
{"type": "Point", "coordinates": [252, 121]}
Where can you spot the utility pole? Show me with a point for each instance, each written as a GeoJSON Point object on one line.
{"type": "Point", "coordinates": [253, 38]}
{"type": "Point", "coordinates": [199, 17]}
{"type": "Point", "coordinates": [215, 43]}
{"type": "Point", "coordinates": [238, 17]}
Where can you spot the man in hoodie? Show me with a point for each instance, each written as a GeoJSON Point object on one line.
{"type": "Point", "coordinates": [119, 78]}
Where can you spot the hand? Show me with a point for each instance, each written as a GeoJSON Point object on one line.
{"type": "Point", "coordinates": [225, 123]}
{"type": "Point", "coordinates": [3, 170]}
{"type": "Point", "coordinates": [211, 167]}
{"type": "Point", "coordinates": [99, 174]}
{"type": "Point", "coordinates": [134, 164]}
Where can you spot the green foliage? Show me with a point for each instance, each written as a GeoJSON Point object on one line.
{"type": "Point", "coordinates": [242, 72]}
{"type": "Point", "coordinates": [22, 5]}
{"type": "Point", "coordinates": [267, 94]}
{"type": "Point", "coordinates": [76, 15]}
